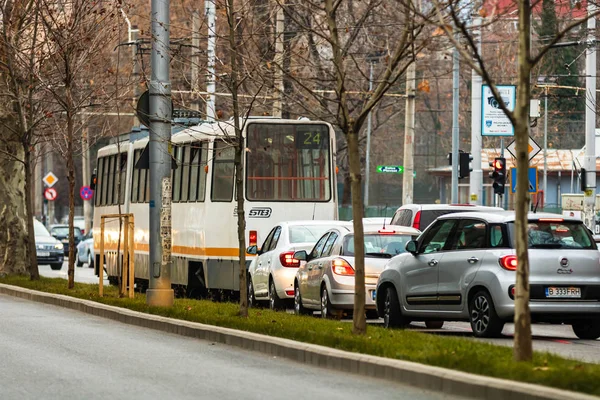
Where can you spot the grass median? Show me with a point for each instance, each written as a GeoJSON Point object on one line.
{"type": "Point", "coordinates": [448, 352]}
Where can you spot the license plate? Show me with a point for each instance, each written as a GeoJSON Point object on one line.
{"type": "Point", "coordinates": [373, 294]}
{"type": "Point", "coordinates": [43, 254]}
{"type": "Point", "coordinates": [563, 292]}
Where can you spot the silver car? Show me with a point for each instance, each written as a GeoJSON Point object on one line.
{"type": "Point", "coordinates": [85, 250]}
{"type": "Point", "coordinates": [463, 268]}
{"type": "Point", "coordinates": [325, 282]}
{"type": "Point", "coordinates": [271, 274]}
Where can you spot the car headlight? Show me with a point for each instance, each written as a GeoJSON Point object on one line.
{"type": "Point", "coordinates": [58, 246]}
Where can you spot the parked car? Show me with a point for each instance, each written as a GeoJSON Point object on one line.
{"type": "Point", "coordinates": [419, 216]}
{"type": "Point", "coordinates": [48, 249]}
{"type": "Point", "coordinates": [271, 273]}
{"type": "Point", "coordinates": [463, 268]}
{"type": "Point", "coordinates": [85, 250]}
{"type": "Point", "coordinates": [61, 232]}
{"type": "Point", "coordinates": [326, 281]}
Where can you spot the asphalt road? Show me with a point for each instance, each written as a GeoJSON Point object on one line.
{"type": "Point", "coordinates": [82, 274]}
{"type": "Point", "coordinates": [53, 353]}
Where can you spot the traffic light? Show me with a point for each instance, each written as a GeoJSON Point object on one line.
{"type": "Point", "coordinates": [464, 165]}
{"type": "Point", "coordinates": [498, 174]}
{"type": "Point", "coordinates": [93, 181]}
{"type": "Point", "coordinates": [583, 180]}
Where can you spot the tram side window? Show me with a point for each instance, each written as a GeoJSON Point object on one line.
{"type": "Point", "coordinates": [123, 183]}
{"type": "Point", "coordinates": [185, 173]}
{"type": "Point", "coordinates": [135, 177]}
{"type": "Point", "coordinates": [110, 172]}
{"type": "Point", "coordinates": [197, 174]}
{"type": "Point", "coordinates": [98, 193]}
{"type": "Point", "coordinates": [222, 178]}
{"type": "Point", "coordinates": [176, 194]}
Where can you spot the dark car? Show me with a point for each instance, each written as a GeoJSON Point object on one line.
{"type": "Point", "coordinates": [48, 249]}
{"type": "Point", "coordinates": [61, 232]}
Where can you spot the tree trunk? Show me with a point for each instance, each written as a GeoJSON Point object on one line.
{"type": "Point", "coordinates": [359, 318]}
{"type": "Point", "coordinates": [522, 350]}
{"type": "Point", "coordinates": [239, 151]}
{"type": "Point", "coordinates": [13, 213]}
{"type": "Point", "coordinates": [71, 179]}
{"type": "Point", "coordinates": [34, 272]}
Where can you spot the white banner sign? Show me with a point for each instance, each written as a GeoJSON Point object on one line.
{"type": "Point", "coordinates": [494, 121]}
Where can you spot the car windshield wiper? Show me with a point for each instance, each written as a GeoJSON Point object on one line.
{"type": "Point", "coordinates": [380, 255]}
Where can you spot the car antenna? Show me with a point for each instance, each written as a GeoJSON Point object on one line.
{"type": "Point", "coordinates": [537, 201]}
{"type": "Point", "coordinates": [314, 207]}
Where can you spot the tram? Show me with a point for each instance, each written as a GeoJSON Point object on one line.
{"type": "Point", "coordinates": [289, 169]}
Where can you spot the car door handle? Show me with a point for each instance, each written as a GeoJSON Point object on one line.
{"type": "Point", "coordinates": [309, 268]}
{"type": "Point", "coordinates": [320, 265]}
{"type": "Point", "coordinates": [472, 260]}
{"type": "Point", "coordinates": [433, 263]}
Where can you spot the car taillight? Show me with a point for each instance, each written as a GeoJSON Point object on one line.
{"type": "Point", "coordinates": [287, 260]}
{"type": "Point", "coordinates": [253, 238]}
{"type": "Point", "coordinates": [386, 231]}
{"type": "Point", "coordinates": [339, 266]}
{"type": "Point", "coordinates": [417, 221]}
{"type": "Point", "coordinates": [508, 262]}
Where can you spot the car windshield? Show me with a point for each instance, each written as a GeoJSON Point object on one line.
{"type": "Point", "coordinates": [556, 234]}
{"type": "Point", "coordinates": [307, 233]}
{"type": "Point", "coordinates": [40, 229]}
{"type": "Point", "coordinates": [64, 231]}
{"type": "Point", "coordinates": [378, 245]}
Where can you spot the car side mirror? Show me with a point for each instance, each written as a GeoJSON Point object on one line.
{"type": "Point", "coordinates": [252, 250]}
{"type": "Point", "coordinates": [412, 246]}
{"type": "Point", "coordinates": [301, 255]}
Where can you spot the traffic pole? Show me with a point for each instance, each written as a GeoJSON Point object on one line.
{"type": "Point", "coordinates": [409, 135]}
{"type": "Point", "coordinates": [160, 292]}
{"type": "Point", "coordinates": [455, 127]}
{"type": "Point", "coordinates": [590, 121]}
{"type": "Point", "coordinates": [476, 176]}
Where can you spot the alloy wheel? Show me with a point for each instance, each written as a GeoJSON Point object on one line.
{"type": "Point", "coordinates": [324, 304]}
{"type": "Point", "coordinates": [386, 310]}
{"type": "Point", "coordinates": [297, 300]}
{"type": "Point", "coordinates": [250, 294]}
{"type": "Point", "coordinates": [272, 295]}
{"type": "Point", "coordinates": [480, 314]}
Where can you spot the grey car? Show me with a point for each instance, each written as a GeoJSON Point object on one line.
{"type": "Point", "coordinates": [463, 268]}
{"type": "Point", "coordinates": [325, 281]}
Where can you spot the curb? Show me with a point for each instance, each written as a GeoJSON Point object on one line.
{"type": "Point", "coordinates": [422, 376]}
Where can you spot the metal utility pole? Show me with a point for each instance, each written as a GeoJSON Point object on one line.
{"type": "Point", "coordinates": [476, 177]}
{"type": "Point", "coordinates": [409, 135]}
{"type": "Point", "coordinates": [86, 173]}
{"type": "Point", "coordinates": [50, 168]}
{"type": "Point", "coordinates": [368, 162]}
{"type": "Point", "coordinates": [160, 292]}
{"type": "Point", "coordinates": [545, 181]}
{"type": "Point", "coordinates": [210, 52]}
{"type": "Point", "coordinates": [278, 64]}
{"type": "Point", "coordinates": [455, 127]}
{"type": "Point", "coordinates": [590, 121]}
{"type": "Point", "coordinates": [195, 57]}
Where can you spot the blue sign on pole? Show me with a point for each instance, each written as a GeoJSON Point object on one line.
{"type": "Point", "coordinates": [86, 193]}
{"type": "Point", "coordinates": [533, 182]}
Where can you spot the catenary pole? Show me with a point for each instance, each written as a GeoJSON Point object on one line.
{"type": "Point", "coordinates": [590, 120]}
{"type": "Point", "coordinates": [159, 292]}
{"type": "Point", "coordinates": [455, 127]}
{"type": "Point", "coordinates": [476, 176]}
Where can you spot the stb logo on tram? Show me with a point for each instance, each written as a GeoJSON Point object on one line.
{"type": "Point", "coordinates": [260, 212]}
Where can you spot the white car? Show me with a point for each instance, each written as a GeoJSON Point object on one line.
{"type": "Point", "coordinates": [85, 251]}
{"type": "Point", "coordinates": [271, 274]}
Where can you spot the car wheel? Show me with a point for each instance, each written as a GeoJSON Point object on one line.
{"type": "Point", "coordinates": [392, 316]}
{"type": "Point", "coordinates": [274, 300]}
{"type": "Point", "coordinates": [56, 267]}
{"type": "Point", "coordinates": [90, 260]}
{"type": "Point", "coordinates": [327, 310]}
{"type": "Point", "coordinates": [482, 315]}
{"type": "Point", "coordinates": [251, 298]}
{"type": "Point", "coordinates": [588, 330]}
{"type": "Point", "coordinates": [434, 324]}
{"type": "Point", "coordinates": [79, 262]}
{"type": "Point", "coordinates": [299, 309]}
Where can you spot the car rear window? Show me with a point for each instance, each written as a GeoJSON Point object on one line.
{"type": "Point", "coordinates": [378, 245]}
{"type": "Point", "coordinates": [307, 233]}
{"type": "Point", "coordinates": [428, 216]}
{"type": "Point", "coordinates": [555, 235]}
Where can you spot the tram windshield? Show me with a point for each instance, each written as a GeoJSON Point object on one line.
{"type": "Point", "coordinates": [288, 162]}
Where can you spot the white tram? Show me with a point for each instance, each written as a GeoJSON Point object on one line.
{"type": "Point", "coordinates": [289, 175]}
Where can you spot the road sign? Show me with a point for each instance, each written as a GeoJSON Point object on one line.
{"type": "Point", "coordinates": [494, 121]}
{"type": "Point", "coordinates": [532, 150]}
{"type": "Point", "coordinates": [86, 193]}
{"type": "Point", "coordinates": [50, 194]}
{"type": "Point", "coordinates": [533, 182]}
{"type": "Point", "coordinates": [50, 179]}
{"type": "Point", "coordinates": [396, 169]}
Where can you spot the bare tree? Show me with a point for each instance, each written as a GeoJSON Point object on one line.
{"type": "Point", "coordinates": [334, 58]}
{"type": "Point", "coordinates": [453, 17]}
{"type": "Point", "coordinates": [75, 34]}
